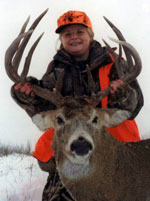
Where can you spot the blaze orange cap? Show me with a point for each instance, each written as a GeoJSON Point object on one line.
{"type": "Point", "coordinates": [73, 17]}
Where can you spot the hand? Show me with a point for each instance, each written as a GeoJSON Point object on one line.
{"type": "Point", "coordinates": [115, 85]}
{"type": "Point", "coordinates": [25, 89]}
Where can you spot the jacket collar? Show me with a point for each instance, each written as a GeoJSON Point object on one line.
{"type": "Point", "coordinates": [97, 56]}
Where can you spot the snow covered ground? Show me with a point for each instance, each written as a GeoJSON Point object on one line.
{"type": "Point", "coordinates": [21, 178]}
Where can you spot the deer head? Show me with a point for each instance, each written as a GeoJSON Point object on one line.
{"type": "Point", "coordinates": [86, 154]}
{"type": "Point", "coordinates": [78, 128]}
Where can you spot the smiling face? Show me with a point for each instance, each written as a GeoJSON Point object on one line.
{"type": "Point", "coordinates": [76, 41]}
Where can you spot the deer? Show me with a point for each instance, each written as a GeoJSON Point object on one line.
{"type": "Point", "coordinates": [91, 163]}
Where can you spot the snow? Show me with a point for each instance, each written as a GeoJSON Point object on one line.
{"type": "Point", "coordinates": [21, 179]}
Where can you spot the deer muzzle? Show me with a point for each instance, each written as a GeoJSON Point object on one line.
{"type": "Point", "coordinates": [81, 146]}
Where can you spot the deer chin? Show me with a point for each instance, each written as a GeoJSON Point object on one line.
{"type": "Point", "coordinates": [75, 167]}
{"type": "Point", "coordinates": [81, 160]}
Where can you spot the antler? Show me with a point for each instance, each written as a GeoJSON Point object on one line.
{"type": "Point", "coordinates": [13, 57]}
{"type": "Point", "coordinates": [130, 52]}
{"type": "Point", "coordinates": [15, 51]}
{"type": "Point", "coordinates": [134, 68]}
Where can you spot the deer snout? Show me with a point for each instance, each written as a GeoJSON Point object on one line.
{"type": "Point", "coordinates": [81, 146]}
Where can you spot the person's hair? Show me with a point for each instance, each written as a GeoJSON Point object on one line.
{"type": "Point", "coordinates": [90, 32]}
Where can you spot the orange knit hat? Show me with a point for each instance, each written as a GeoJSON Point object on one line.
{"type": "Point", "coordinates": [73, 17]}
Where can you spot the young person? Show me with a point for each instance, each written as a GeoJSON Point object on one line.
{"type": "Point", "coordinates": [78, 48]}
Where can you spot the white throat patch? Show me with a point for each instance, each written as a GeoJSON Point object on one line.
{"type": "Point", "coordinates": [75, 170]}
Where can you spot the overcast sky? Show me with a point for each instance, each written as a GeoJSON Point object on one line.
{"type": "Point", "coordinates": [132, 17]}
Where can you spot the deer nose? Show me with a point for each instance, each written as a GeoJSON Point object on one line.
{"type": "Point", "coordinates": [81, 146]}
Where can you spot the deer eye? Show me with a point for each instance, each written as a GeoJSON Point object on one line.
{"type": "Point", "coordinates": [95, 120]}
{"type": "Point", "coordinates": [59, 120]}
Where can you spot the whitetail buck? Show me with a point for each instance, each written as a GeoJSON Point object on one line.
{"type": "Point", "coordinates": [92, 165]}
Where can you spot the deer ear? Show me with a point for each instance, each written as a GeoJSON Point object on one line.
{"type": "Point", "coordinates": [114, 117]}
{"type": "Point", "coordinates": [44, 120]}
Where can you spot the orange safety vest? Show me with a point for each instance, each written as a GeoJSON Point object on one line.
{"type": "Point", "coordinates": [125, 132]}
{"type": "Point", "coordinates": [43, 148]}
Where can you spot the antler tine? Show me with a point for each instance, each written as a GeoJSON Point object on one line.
{"type": "Point", "coordinates": [29, 57]}
{"type": "Point", "coordinates": [96, 98]}
{"type": "Point", "coordinates": [91, 82]}
{"type": "Point", "coordinates": [51, 96]}
{"type": "Point", "coordinates": [23, 29]}
{"type": "Point", "coordinates": [35, 23]}
{"type": "Point", "coordinates": [135, 71]}
{"type": "Point", "coordinates": [10, 52]}
{"type": "Point", "coordinates": [115, 29]}
{"type": "Point", "coordinates": [16, 61]}
{"type": "Point", "coordinates": [59, 82]}
{"type": "Point", "coordinates": [120, 37]}
{"type": "Point", "coordinates": [117, 59]}
{"type": "Point", "coordinates": [24, 26]}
